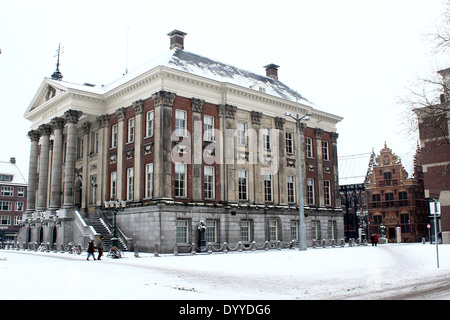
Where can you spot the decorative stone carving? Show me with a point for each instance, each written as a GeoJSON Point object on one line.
{"type": "Point", "coordinates": [72, 116]}
{"type": "Point", "coordinates": [256, 117]}
{"type": "Point", "coordinates": [227, 111]}
{"type": "Point", "coordinates": [120, 114]}
{"type": "Point", "coordinates": [279, 123]}
{"type": "Point", "coordinates": [163, 98]}
{"type": "Point", "coordinates": [197, 105]}
{"type": "Point", "coordinates": [138, 106]}
{"type": "Point", "coordinates": [34, 135]}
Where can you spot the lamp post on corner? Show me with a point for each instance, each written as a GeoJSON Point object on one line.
{"type": "Point", "coordinates": [301, 213]}
{"type": "Point", "coordinates": [115, 206]}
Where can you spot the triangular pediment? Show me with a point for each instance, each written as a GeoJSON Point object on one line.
{"type": "Point", "coordinates": [47, 91]}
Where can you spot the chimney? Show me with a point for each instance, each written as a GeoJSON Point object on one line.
{"type": "Point", "coordinates": [176, 39]}
{"type": "Point", "coordinates": [12, 160]}
{"type": "Point", "coordinates": [272, 71]}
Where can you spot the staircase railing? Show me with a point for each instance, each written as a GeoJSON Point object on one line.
{"type": "Point", "coordinates": [123, 238]}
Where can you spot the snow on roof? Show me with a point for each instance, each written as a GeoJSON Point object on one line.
{"type": "Point", "coordinates": [8, 168]}
{"type": "Point", "coordinates": [198, 65]}
{"type": "Point", "coordinates": [353, 169]}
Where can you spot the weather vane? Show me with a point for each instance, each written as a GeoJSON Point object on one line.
{"type": "Point", "coordinates": [57, 74]}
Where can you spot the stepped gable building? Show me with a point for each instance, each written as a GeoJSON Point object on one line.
{"type": "Point", "coordinates": [196, 150]}
{"type": "Point", "coordinates": [13, 192]}
{"type": "Point", "coordinates": [397, 206]}
{"type": "Point", "coordinates": [434, 132]}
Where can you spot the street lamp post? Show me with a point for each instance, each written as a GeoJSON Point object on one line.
{"type": "Point", "coordinates": [115, 206]}
{"type": "Point", "coordinates": [301, 213]}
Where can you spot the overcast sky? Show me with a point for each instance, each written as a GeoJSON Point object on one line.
{"type": "Point", "coordinates": [352, 58]}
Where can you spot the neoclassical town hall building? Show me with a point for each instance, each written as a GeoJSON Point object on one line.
{"type": "Point", "coordinates": [188, 145]}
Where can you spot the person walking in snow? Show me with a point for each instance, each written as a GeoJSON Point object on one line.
{"type": "Point", "coordinates": [375, 239]}
{"type": "Point", "coordinates": [91, 250]}
{"type": "Point", "coordinates": [100, 248]}
{"type": "Point", "coordinates": [372, 239]}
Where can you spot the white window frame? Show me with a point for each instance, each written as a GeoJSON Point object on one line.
{"type": "Point", "coordinates": [309, 148]}
{"type": "Point", "coordinates": [209, 182]}
{"type": "Point", "coordinates": [325, 151]}
{"type": "Point", "coordinates": [131, 126]}
{"type": "Point", "coordinates": [180, 123]}
{"type": "Point", "coordinates": [182, 231]}
{"type": "Point", "coordinates": [310, 191]}
{"type": "Point", "coordinates": [149, 180]}
{"type": "Point", "coordinates": [7, 191]}
{"type": "Point", "coordinates": [266, 139]}
{"type": "Point", "coordinates": [180, 178]}
{"type": "Point", "coordinates": [208, 128]}
{"type": "Point", "coordinates": [130, 183]}
{"type": "Point", "coordinates": [150, 124]}
{"type": "Point", "coordinates": [327, 192]}
{"type": "Point", "coordinates": [289, 142]}
{"type": "Point", "coordinates": [114, 129]}
{"type": "Point", "coordinates": [113, 186]}
{"type": "Point", "coordinates": [242, 133]}
{"type": "Point", "coordinates": [268, 188]}
{"type": "Point", "coordinates": [291, 189]}
{"type": "Point", "coordinates": [242, 183]}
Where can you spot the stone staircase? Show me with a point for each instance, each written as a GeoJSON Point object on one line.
{"type": "Point", "coordinates": [107, 232]}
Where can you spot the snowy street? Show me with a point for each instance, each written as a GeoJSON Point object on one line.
{"type": "Point", "coordinates": [405, 271]}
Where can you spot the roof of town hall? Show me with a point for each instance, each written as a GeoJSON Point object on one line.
{"type": "Point", "coordinates": [202, 66]}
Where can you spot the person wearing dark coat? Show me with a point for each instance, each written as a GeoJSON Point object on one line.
{"type": "Point", "coordinates": [375, 238]}
{"type": "Point", "coordinates": [91, 250]}
{"type": "Point", "coordinates": [100, 248]}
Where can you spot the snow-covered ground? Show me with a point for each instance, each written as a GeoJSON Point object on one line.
{"type": "Point", "coordinates": [404, 271]}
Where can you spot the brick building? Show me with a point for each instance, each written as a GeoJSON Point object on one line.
{"type": "Point", "coordinates": [13, 192]}
{"type": "Point", "coordinates": [434, 132]}
{"type": "Point", "coordinates": [396, 202]}
{"type": "Point", "coordinates": [183, 141]}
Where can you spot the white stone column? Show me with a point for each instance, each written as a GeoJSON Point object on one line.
{"type": "Point", "coordinates": [197, 174]}
{"type": "Point", "coordinates": [32, 173]}
{"type": "Point", "coordinates": [72, 117]}
{"type": "Point", "coordinates": [138, 108]}
{"type": "Point", "coordinates": [163, 101]}
{"type": "Point", "coordinates": [45, 131]}
{"type": "Point", "coordinates": [120, 147]}
{"type": "Point", "coordinates": [55, 183]}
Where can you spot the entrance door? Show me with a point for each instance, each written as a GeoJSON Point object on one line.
{"type": "Point", "coordinates": [391, 234]}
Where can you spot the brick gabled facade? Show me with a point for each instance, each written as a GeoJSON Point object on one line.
{"type": "Point", "coordinates": [395, 201]}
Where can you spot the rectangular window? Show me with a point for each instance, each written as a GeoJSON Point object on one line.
{"type": "Point", "coordinates": [149, 180]}
{"type": "Point", "coordinates": [310, 195]}
{"type": "Point", "coordinates": [5, 220]}
{"type": "Point", "coordinates": [242, 131]}
{"type": "Point", "coordinates": [273, 230]}
{"type": "Point", "coordinates": [182, 231]}
{"type": "Point", "coordinates": [291, 189]}
{"type": "Point", "coordinates": [315, 229]}
{"type": "Point", "coordinates": [266, 138]}
{"type": "Point", "coordinates": [387, 178]}
{"type": "Point", "coordinates": [180, 123]}
{"type": "Point", "coordinates": [7, 191]}
{"type": "Point", "coordinates": [289, 142]}
{"type": "Point", "coordinates": [114, 136]}
{"type": "Point", "coordinates": [211, 231]}
{"type": "Point", "coordinates": [389, 200]}
{"type": "Point", "coordinates": [376, 201]}
{"type": "Point", "coordinates": [325, 153]}
{"type": "Point", "coordinates": [180, 180]}
{"type": "Point", "coordinates": [150, 124]}
{"type": "Point", "coordinates": [130, 130]}
{"type": "Point", "coordinates": [94, 142]}
{"type": "Point", "coordinates": [268, 188]}
{"type": "Point", "coordinates": [208, 185]}
{"type": "Point", "coordinates": [327, 192]}
{"type": "Point", "coordinates": [21, 192]}
{"type": "Point", "coordinates": [208, 128]}
{"type": "Point", "coordinates": [377, 220]}
{"type": "Point", "coordinates": [17, 220]}
{"type": "Point", "coordinates": [19, 206]}
{"type": "Point", "coordinates": [80, 147]}
{"type": "Point", "coordinates": [113, 190]}
{"type": "Point", "coordinates": [294, 230]}
{"type": "Point", "coordinates": [309, 148]}
{"type": "Point", "coordinates": [243, 184]}
{"type": "Point", "coordinates": [93, 190]}
{"type": "Point", "coordinates": [130, 183]}
{"type": "Point", "coordinates": [5, 205]}
{"type": "Point", "coordinates": [245, 231]}
{"type": "Point", "coordinates": [403, 198]}
{"type": "Point", "coordinates": [332, 229]}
